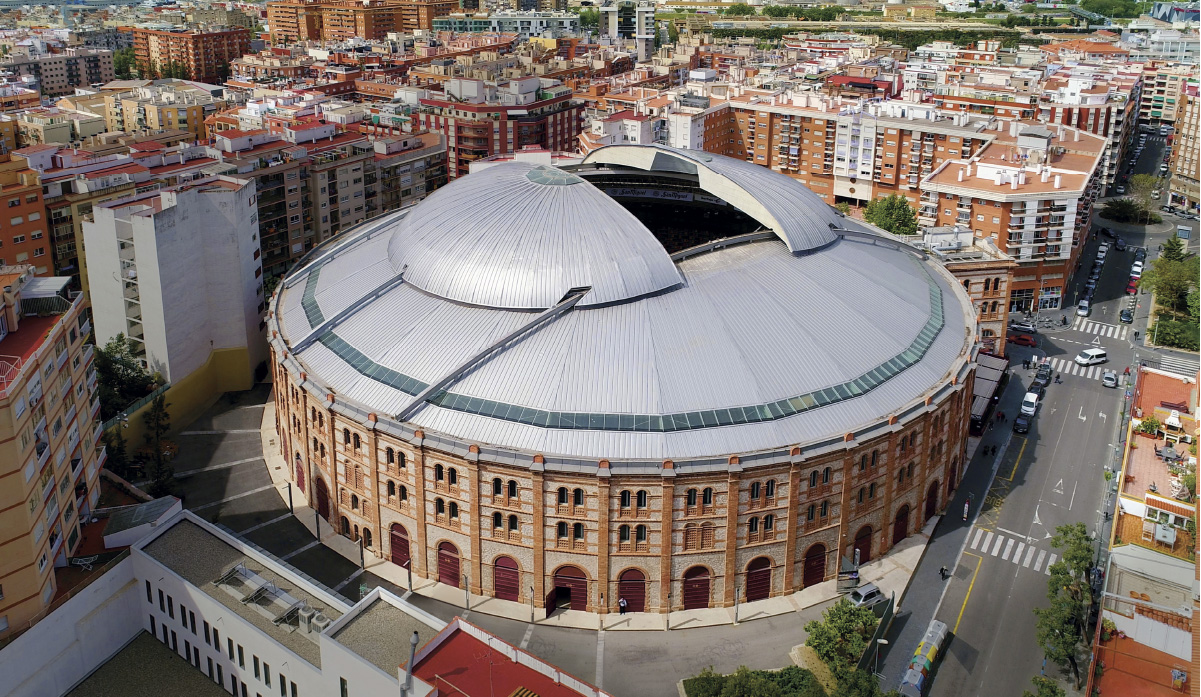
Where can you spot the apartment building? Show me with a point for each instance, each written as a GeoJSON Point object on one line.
{"type": "Point", "coordinates": [524, 24]}
{"type": "Point", "coordinates": [1163, 91]}
{"type": "Point", "coordinates": [537, 5]}
{"type": "Point", "coordinates": [48, 436]}
{"type": "Point", "coordinates": [341, 20]}
{"type": "Point", "coordinates": [403, 170]}
{"type": "Point", "coordinates": [177, 271]}
{"type": "Point", "coordinates": [60, 73]}
{"type": "Point", "coordinates": [629, 20]}
{"type": "Point", "coordinates": [1031, 191]}
{"type": "Point", "coordinates": [1104, 103]}
{"type": "Point", "coordinates": [222, 16]}
{"type": "Point", "coordinates": [294, 20]}
{"type": "Point", "coordinates": [270, 66]}
{"type": "Point", "coordinates": [17, 98]}
{"type": "Point", "coordinates": [339, 166]}
{"type": "Point", "coordinates": [420, 14]}
{"type": "Point", "coordinates": [161, 107]}
{"type": "Point", "coordinates": [51, 125]}
{"type": "Point", "coordinates": [480, 119]}
{"type": "Point", "coordinates": [23, 238]}
{"type": "Point", "coordinates": [1185, 164]}
{"type": "Point", "coordinates": [203, 56]}
{"type": "Point", "coordinates": [985, 272]}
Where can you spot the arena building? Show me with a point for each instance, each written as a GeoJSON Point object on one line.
{"type": "Point", "coordinates": [657, 374]}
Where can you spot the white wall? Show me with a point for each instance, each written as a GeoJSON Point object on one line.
{"type": "Point", "coordinates": [74, 640]}
{"type": "Point", "coordinates": [1157, 635]}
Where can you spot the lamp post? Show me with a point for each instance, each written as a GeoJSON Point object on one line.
{"type": "Point", "coordinates": [879, 643]}
{"type": "Point", "coordinates": [408, 688]}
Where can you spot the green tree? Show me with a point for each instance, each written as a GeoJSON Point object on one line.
{"type": "Point", "coordinates": [1058, 632]}
{"type": "Point", "coordinates": [118, 452]}
{"type": "Point", "coordinates": [1173, 249]}
{"type": "Point", "coordinates": [745, 682]}
{"type": "Point", "coordinates": [1060, 627]}
{"type": "Point", "coordinates": [1171, 281]}
{"type": "Point", "coordinates": [124, 63]}
{"type": "Point", "coordinates": [673, 34]}
{"type": "Point", "coordinates": [740, 9]}
{"type": "Point", "coordinates": [589, 19]}
{"type": "Point", "coordinates": [843, 207]}
{"type": "Point", "coordinates": [1141, 188]}
{"type": "Point", "coordinates": [893, 213]}
{"type": "Point", "coordinates": [860, 683]}
{"type": "Point", "coordinates": [1193, 303]}
{"type": "Point", "coordinates": [158, 424]}
{"type": "Point", "coordinates": [120, 376]}
{"type": "Point", "coordinates": [1044, 687]}
{"type": "Point", "coordinates": [842, 634]}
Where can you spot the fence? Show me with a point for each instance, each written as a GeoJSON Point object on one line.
{"type": "Point", "coordinates": [869, 655]}
{"type": "Point", "coordinates": [130, 409]}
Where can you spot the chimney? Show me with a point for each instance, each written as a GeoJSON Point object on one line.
{"type": "Point", "coordinates": [960, 174]}
{"type": "Point", "coordinates": [998, 179]}
{"type": "Point", "coordinates": [1058, 180]}
{"type": "Point", "coordinates": [1013, 183]}
{"type": "Point", "coordinates": [1046, 174]}
{"type": "Point", "coordinates": [1076, 135]}
{"type": "Point", "coordinates": [1022, 177]}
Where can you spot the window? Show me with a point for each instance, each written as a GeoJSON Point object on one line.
{"type": "Point", "coordinates": [241, 657]}
{"type": "Point", "coordinates": [769, 523]}
{"type": "Point", "coordinates": [257, 673]}
{"type": "Point", "coordinates": [454, 510]}
{"type": "Point", "coordinates": [755, 491]}
{"type": "Point", "coordinates": [577, 531]}
{"type": "Point", "coordinates": [170, 607]}
{"type": "Point", "coordinates": [344, 687]}
{"type": "Point", "coordinates": [439, 473]}
{"type": "Point", "coordinates": [266, 674]}
{"type": "Point", "coordinates": [206, 633]}
{"type": "Point", "coordinates": [825, 509]}
{"type": "Point", "coordinates": [391, 488]}
{"type": "Point", "coordinates": [231, 649]}
{"type": "Point", "coordinates": [640, 533]}
{"type": "Point", "coordinates": [149, 595]}
{"type": "Point", "coordinates": [346, 436]}
{"type": "Point", "coordinates": [390, 455]}
{"type": "Point", "coordinates": [826, 473]}
{"type": "Point", "coordinates": [562, 496]}
{"type": "Point", "coordinates": [514, 525]}
{"type": "Point", "coordinates": [813, 479]}
{"type": "Point", "coordinates": [811, 512]}
{"type": "Point", "coordinates": [439, 506]}
{"type": "Point", "coordinates": [498, 487]}
{"type": "Point", "coordinates": [512, 489]}
{"type": "Point", "coordinates": [641, 499]}
{"type": "Point", "coordinates": [561, 529]}
{"type": "Point", "coordinates": [404, 493]}
{"type": "Point", "coordinates": [577, 497]}
{"type": "Point", "coordinates": [625, 499]}
{"type": "Point", "coordinates": [452, 476]}
{"type": "Point", "coordinates": [707, 497]}
{"type": "Point", "coordinates": [623, 533]}
{"type": "Point", "coordinates": [497, 521]}
{"type": "Point", "coordinates": [769, 490]}
{"type": "Point", "coordinates": [752, 526]}
{"type": "Point", "coordinates": [690, 497]}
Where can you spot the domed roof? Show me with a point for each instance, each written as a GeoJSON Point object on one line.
{"type": "Point", "coordinates": [518, 235]}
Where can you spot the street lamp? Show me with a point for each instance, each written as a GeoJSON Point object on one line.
{"type": "Point", "coordinates": [879, 643]}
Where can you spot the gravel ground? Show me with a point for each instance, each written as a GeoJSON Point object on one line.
{"type": "Point", "coordinates": [142, 669]}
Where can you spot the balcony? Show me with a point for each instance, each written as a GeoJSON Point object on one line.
{"type": "Point", "coordinates": [43, 450]}
{"type": "Point", "coordinates": [61, 360]}
{"type": "Point", "coordinates": [85, 328]}
{"type": "Point", "coordinates": [89, 352]}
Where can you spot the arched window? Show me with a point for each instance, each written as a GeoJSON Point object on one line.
{"type": "Point", "coordinates": [826, 475]}
{"type": "Point", "coordinates": [996, 283]}
{"type": "Point", "coordinates": [967, 285]}
{"type": "Point", "coordinates": [641, 499]}
{"type": "Point", "coordinates": [871, 490]}
{"type": "Point", "coordinates": [498, 521]}
{"type": "Point", "coordinates": [623, 533]}
{"type": "Point", "coordinates": [562, 531]}
{"type": "Point", "coordinates": [454, 510]}
{"type": "Point", "coordinates": [875, 457]}
{"type": "Point", "coordinates": [577, 497]}
{"type": "Point", "coordinates": [439, 506]}
{"type": "Point", "coordinates": [862, 494]}
{"type": "Point", "coordinates": [691, 537]}
{"type": "Point", "coordinates": [625, 499]}
{"type": "Point", "coordinates": [769, 523]}
{"type": "Point", "coordinates": [769, 489]}
{"type": "Point", "coordinates": [863, 462]}
{"type": "Point", "coordinates": [439, 473]}
{"type": "Point", "coordinates": [345, 526]}
{"type": "Point", "coordinates": [910, 470]}
{"type": "Point", "coordinates": [690, 497]}
{"type": "Point", "coordinates": [400, 459]}
{"type": "Point", "coordinates": [563, 496]}
{"type": "Point", "coordinates": [453, 476]}
{"type": "Point", "coordinates": [354, 502]}
{"type": "Point", "coordinates": [752, 525]}
{"type": "Point", "coordinates": [640, 533]}
{"type": "Point", "coordinates": [498, 487]}
{"type": "Point", "coordinates": [391, 488]}
{"type": "Point", "coordinates": [708, 535]}
{"type": "Point", "coordinates": [512, 489]}
{"type": "Point", "coordinates": [321, 420]}
{"type": "Point", "coordinates": [314, 413]}
{"type": "Point", "coordinates": [514, 526]}
{"type": "Point", "coordinates": [323, 451]}
{"type": "Point", "coordinates": [315, 444]}
{"type": "Point", "coordinates": [355, 440]}
{"type": "Point", "coordinates": [813, 478]}
{"type": "Point", "coordinates": [577, 531]}
{"type": "Point", "coordinates": [986, 283]}
{"type": "Point", "coordinates": [707, 496]}
{"type": "Point", "coordinates": [404, 493]}
{"type": "Point", "coordinates": [390, 454]}
{"type": "Point", "coordinates": [366, 537]}
{"type": "Point", "coordinates": [755, 490]}
{"type": "Point", "coordinates": [811, 513]}
{"type": "Point", "coordinates": [346, 436]}
{"type": "Point", "coordinates": [901, 477]}
{"type": "Point", "coordinates": [993, 307]}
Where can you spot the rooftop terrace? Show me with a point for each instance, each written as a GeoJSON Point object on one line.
{"type": "Point", "coordinates": [142, 669]}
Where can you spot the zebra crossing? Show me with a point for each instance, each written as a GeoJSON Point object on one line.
{"type": "Point", "coordinates": [1013, 550]}
{"type": "Point", "coordinates": [1179, 365]}
{"type": "Point", "coordinates": [1111, 331]}
{"type": "Point", "coordinates": [1070, 367]}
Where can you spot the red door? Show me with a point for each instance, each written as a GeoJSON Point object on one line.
{"type": "Point", "coordinates": [932, 500]}
{"type": "Point", "coordinates": [506, 579]}
{"type": "Point", "coordinates": [322, 499]}
{"type": "Point", "coordinates": [863, 543]}
{"type": "Point", "coordinates": [900, 526]}
{"type": "Point", "coordinates": [758, 579]}
{"type": "Point", "coordinates": [300, 483]}
{"type": "Point", "coordinates": [632, 587]}
{"type": "Point", "coordinates": [400, 546]}
{"type": "Point", "coordinates": [448, 564]}
{"type": "Point", "coordinates": [815, 565]}
{"type": "Point", "coordinates": [571, 588]}
{"type": "Point", "coordinates": [696, 588]}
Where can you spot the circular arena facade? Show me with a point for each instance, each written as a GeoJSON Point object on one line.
{"type": "Point", "coordinates": [658, 375]}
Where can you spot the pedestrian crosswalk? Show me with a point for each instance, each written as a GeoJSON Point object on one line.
{"type": "Point", "coordinates": [1111, 331]}
{"type": "Point", "coordinates": [1013, 549]}
{"type": "Point", "coordinates": [1179, 365]}
{"type": "Point", "coordinates": [1069, 367]}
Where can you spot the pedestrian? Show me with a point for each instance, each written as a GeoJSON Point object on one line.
{"type": "Point", "coordinates": [942, 572]}
{"type": "Point", "coordinates": [621, 606]}
{"type": "Point", "coordinates": [1026, 364]}
{"type": "Point", "coordinates": [966, 506]}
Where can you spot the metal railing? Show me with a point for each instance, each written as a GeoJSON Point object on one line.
{"type": "Point", "coordinates": [131, 408]}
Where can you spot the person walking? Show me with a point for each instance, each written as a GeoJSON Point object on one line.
{"type": "Point", "coordinates": [942, 572]}
{"type": "Point", "coordinates": [621, 606]}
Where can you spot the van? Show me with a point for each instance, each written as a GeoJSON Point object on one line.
{"type": "Point", "coordinates": [1091, 356]}
{"type": "Point", "coordinates": [1084, 309]}
{"type": "Point", "coordinates": [1030, 403]}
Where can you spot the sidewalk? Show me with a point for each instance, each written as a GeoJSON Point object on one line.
{"type": "Point", "coordinates": [892, 573]}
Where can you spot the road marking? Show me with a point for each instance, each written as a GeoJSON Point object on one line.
{"type": "Point", "coordinates": [970, 586]}
{"type": "Point", "coordinates": [1050, 560]}
{"type": "Point", "coordinates": [976, 539]}
{"type": "Point", "coordinates": [1073, 500]}
{"type": "Point", "coordinates": [213, 468]}
{"type": "Point", "coordinates": [525, 640]}
{"type": "Point", "coordinates": [264, 524]}
{"type": "Point", "coordinates": [234, 497]}
{"type": "Point", "coordinates": [1039, 564]}
{"type": "Point", "coordinates": [221, 432]}
{"type": "Point", "coordinates": [1029, 556]}
{"type": "Point", "coordinates": [600, 659]}
{"type": "Point", "coordinates": [1010, 532]}
{"type": "Point", "coordinates": [1017, 553]}
{"type": "Point", "coordinates": [997, 546]}
{"type": "Point", "coordinates": [987, 539]}
{"type": "Point", "coordinates": [1018, 460]}
{"type": "Point", "coordinates": [1008, 547]}
{"type": "Point", "coordinates": [1082, 416]}
{"type": "Point", "coordinates": [313, 544]}
{"type": "Point", "coordinates": [356, 574]}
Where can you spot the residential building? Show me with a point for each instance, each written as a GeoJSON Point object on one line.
{"type": "Point", "coordinates": [111, 38]}
{"type": "Point", "coordinates": [1169, 45]}
{"type": "Point", "coordinates": [160, 107]}
{"type": "Point", "coordinates": [338, 166]}
{"type": "Point", "coordinates": [61, 73]}
{"type": "Point", "coordinates": [177, 271]}
{"type": "Point", "coordinates": [985, 272]}
{"type": "Point", "coordinates": [524, 24]}
{"type": "Point", "coordinates": [629, 20]}
{"type": "Point", "coordinates": [537, 5]}
{"type": "Point", "coordinates": [420, 14]}
{"type": "Point", "coordinates": [1106, 104]}
{"type": "Point", "coordinates": [51, 125]}
{"type": "Point", "coordinates": [480, 119]}
{"type": "Point", "coordinates": [17, 98]}
{"type": "Point", "coordinates": [1185, 164]}
{"type": "Point", "coordinates": [1031, 191]}
{"type": "Point", "coordinates": [222, 16]}
{"type": "Point", "coordinates": [406, 168]}
{"type": "Point", "coordinates": [8, 134]}
{"type": "Point", "coordinates": [1163, 90]}
{"type": "Point", "coordinates": [270, 66]}
{"type": "Point", "coordinates": [23, 238]}
{"type": "Point", "coordinates": [48, 438]}
{"type": "Point", "coordinates": [341, 20]}
{"type": "Point", "coordinates": [294, 20]}
{"type": "Point", "coordinates": [202, 56]}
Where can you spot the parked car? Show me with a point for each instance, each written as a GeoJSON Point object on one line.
{"type": "Point", "coordinates": [1084, 309]}
{"type": "Point", "coordinates": [1022, 340]}
{"type": "Point", "coordinates": [1021, 423]}
{"type": "Point", "coordinates": [867, 596]}
{"type": "Point", "coordinates": [1140, 254]}
{"type": "Point", "coordinates": [1092, 356]}
{"type": "Point", "coordinates": [1043, 376]}
{"type": "Point", "coordinates": [1155, 194]}
{"type": "Point", "coordinates": [1030, 403]}
{"type": "Point", "coordinates": [1107, 232]}
{"type": "Point", "coordinates": [1132, 287]}
{"type": "Point", "coordinates": [1126, 316]}
{"type": "Point", "coordinates": [1136, 271]}
{"type": "Point", "coordinates": [1119, 244]}
{"type": "Point", "coordinates": [1163, 169]}
{"type": "Point", "coordinates": [1109, 379]}
{"type": "Point", "coordinates": [1121, 189]}
{"type": "Point", "coordinates": [1023, 327]}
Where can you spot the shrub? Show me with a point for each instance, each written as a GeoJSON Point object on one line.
{"type": "Point", "coordinates": [1149, 425]}
{"type": "Point", "coordinates": [1175, 334]}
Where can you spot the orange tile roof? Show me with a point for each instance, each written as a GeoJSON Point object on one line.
{"type": "Point", "coordinates": [1154, 388]}
{"type": "Point", "coordinates": [1136, 670]}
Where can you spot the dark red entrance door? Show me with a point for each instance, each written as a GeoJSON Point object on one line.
{"type": "Point", "coordinates": [863, 543]}
{"type": "Point", "coordinates": [322, 499]}
{"type": "Point", "coordinates": [400, 546]}
{"type": "Point", "coordinates": [506, 579]}
{"type": "Point", "coordinates": [815, 565]}
{"type": "Point", "coordinates": [571, 589]}
{"type": "Point", "coordinates": [300, 483]}
{"type": "Point", "coordinates": [758, 579]}
{"type": "Point", "coordinates": [932, 500]}
{"type": "Point", "coordinates": [696, 588]}
{"type": "Point", "coordinates": [632, 587]}
{"type": "Point", "coordinates": [448, 564]}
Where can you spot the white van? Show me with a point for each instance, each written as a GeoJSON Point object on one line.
{"type": "Point", "coordinates": [1092, 356]}
{"type": "Point", "coordinates": [1030, 403]}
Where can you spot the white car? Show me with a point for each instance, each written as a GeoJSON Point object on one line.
{"type": "Point", "coordinates": [1136, 271]}
{"type": "Point", "coordinates": [1091, 356]}
{"type": "Point", "coordinates": [1084, 309]}
{"type": "Point", "coordinates": [1030, 403]}
{"type": "Point", "coordinates": [867, 595]}
{"type": "Point", "coordinates": [1155, 194]}
{"type": "Point", "coordinates": [1109, 379]}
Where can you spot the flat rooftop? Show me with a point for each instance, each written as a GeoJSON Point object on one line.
{"type": "Point", "coordinates": [147, 668]}
{"type": "Point", "coordinates": [202, 559]}
{"type": "Point", "coordinates": [380, 634]}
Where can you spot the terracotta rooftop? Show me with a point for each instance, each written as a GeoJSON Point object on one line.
{"type": "Point", "coordinates": [1136, 670]}
{"type": "Point", "coordinates": [1157, 387]}
{"type": "Point", "coordinates": [1129, 529]}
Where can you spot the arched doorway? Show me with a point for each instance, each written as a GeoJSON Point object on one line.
{"type": "Point", "coordinates": [815, 566]}
{"type": "Point", "coordinates": [758, 579]}
{"type": "Point", "coordinates": [506, 579]}
{"type": "Point", "coordinates": [632, 586]}
{"type": "Point", "coordinates": [900, 526]}
{"type": "Point", "coordinates": [569, 591]}
{"type": "Point", "coordinates": [300, 482]}
{"type": "Point", "coordinates": [400, 546]}
{"type": "Point", "coordinates": [932, 500]}
{"type": "Point", "coordinates": [448, 564]}
{"type": "Point", "coordinates": [322, 499]}
{"type": "Point", "coordinates": [863, 543]}
{"type": "Point", "coordinates": [696, 588]}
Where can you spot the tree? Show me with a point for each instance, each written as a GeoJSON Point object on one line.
{"type": "Point", "coordinates": [1058, 632]}
{"type": "Point", "coordinates": [673, 34]}
{"type": "Point", "coordinates": [589, 18]}
{"type": "Point", "coordinates": [893, 213]}
{"type": "Point", "coordinates": [158, 424]}
{"type": "Point", "coordinates": [842, 635]}
{"type": "Point", "coordinates": [117, 449]}
{"type": "Point", "coordinates": [1171, 281]}
{"type": "Point", "coordinates": [740, 9]}
{"type": "Point", "coordinates": [124, 63]}
{"type": "Point", "coordinates": [1173, 249]}
{"type": "Point", "coordinates": [860, 683]}
{"type": "Point", "coordinates": [843, 207]}
{"type": "Point", "coordinates": [1141, 187]}
{"type": "Point", "coordinates": [1060, 627]}
{"type": "Point", "coordinates": [745, 682]}
{"type": "Point", "coordinates": [1193, 303]}
{"type": "Point", "coordinates": [1044, 687]}
{"type": "Point", "coordinates": [121, 378]}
